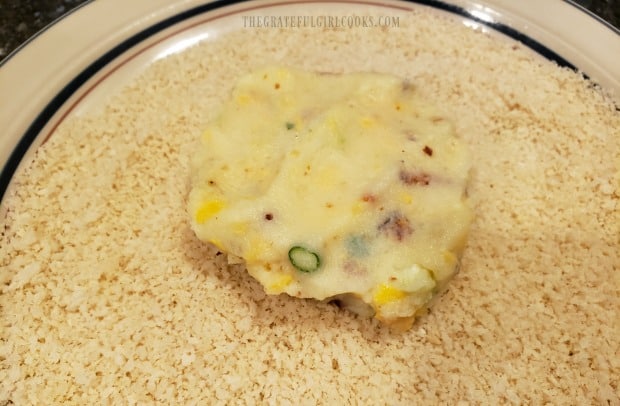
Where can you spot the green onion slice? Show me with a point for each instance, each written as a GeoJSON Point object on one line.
{"type": "Point", "coordinates": [303, 259]}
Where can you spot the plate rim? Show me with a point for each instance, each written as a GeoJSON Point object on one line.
{"type": "Point", "coordinates": [67, 14]}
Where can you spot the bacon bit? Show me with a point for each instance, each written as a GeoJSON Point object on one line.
{"type": "Point", "coordinates": [268, 216]}
{"type": "Point", "coordinates": [414, 178]}
{"type": "Point", "coordinates": [369, 198]}
{"type": "Point", "coordinates": [396, 226]}
{"type": "Point", "coordinates": [428, 150]}
{"type": "Point", "coordinates": [353, 268]}
{"type": "Point", "coordinates": [276, 86]}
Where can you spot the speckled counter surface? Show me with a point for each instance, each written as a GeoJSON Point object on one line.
{"type": "Point", "coordinates": [20, 19]}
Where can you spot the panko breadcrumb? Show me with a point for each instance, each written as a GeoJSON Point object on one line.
{"type": "Point", "coordinates": [107, 296]}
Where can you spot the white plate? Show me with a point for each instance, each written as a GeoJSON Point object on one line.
{"type": "Point", "coordinates": [553, 337]}
{"type": "Point", "coordinates": [75, 57]}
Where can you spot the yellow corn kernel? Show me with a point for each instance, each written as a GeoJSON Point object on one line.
{"type": "Point", "coordinates": [217, 243]}
{"type": "Point", "coordinates": [367, 122]}
{"type": "Point", "coordinates": [280, 283]}
{"type": "Point", "coordinates": [449, 257]}
{"type": "Point", "coordinates": [240, 227]}
{"type": "Point", "coordinates": [207, 210]}
{"type": "Point", "coordinates": [357, 208]}
{"type": "Point", "coordinates": [406, 198]}
{"type": "Point", "coordinates": [243, 99]}
{"type": "Point", "coordinates": [298, 124]}
{"type": "Point", "coordinates": [283, 74]}
{"type": "Point", "coordinates": [386, 294]}
{"type": "Point", "coordinates": [257, 249]}
{"type": "Point", "coordinates": [333, 126]}
{"type": "Point", "coordinates": [287, 101]}
{"type": "Point", "coordinates": [207, 136]}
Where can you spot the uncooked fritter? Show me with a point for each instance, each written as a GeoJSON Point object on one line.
{"type": "Point", "coordinates": [343, 187]}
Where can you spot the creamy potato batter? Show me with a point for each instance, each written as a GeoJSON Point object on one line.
{"type": "Point", "coordinates": [335, 187]}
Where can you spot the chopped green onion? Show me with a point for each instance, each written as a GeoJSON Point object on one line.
{"type": "Point", "coordinates": [290, 126]}
{"type": "Point", "coordinates": [357, 246]}
{"type": "Point", "coordinates": [303, 259]}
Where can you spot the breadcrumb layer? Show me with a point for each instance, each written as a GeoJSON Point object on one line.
{"type": "Point", "coordinates": [107, 297]}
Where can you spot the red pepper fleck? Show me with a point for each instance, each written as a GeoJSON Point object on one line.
{"type": "Point", "coordinates": [370, 198]}
{"type": "Point", "coordinates": [428, 150]}
{"type": "Point", "coordinates": [414, 178]}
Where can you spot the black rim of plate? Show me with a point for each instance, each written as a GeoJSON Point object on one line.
{"type": "Point", "coordinates": [59, 100]}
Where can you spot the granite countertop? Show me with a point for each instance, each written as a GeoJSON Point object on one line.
{"type": "Point", "coordinates": [20, 19]}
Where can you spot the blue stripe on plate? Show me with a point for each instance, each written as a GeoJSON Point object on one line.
{"type": "Point", "coordinates": [54, 105]}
